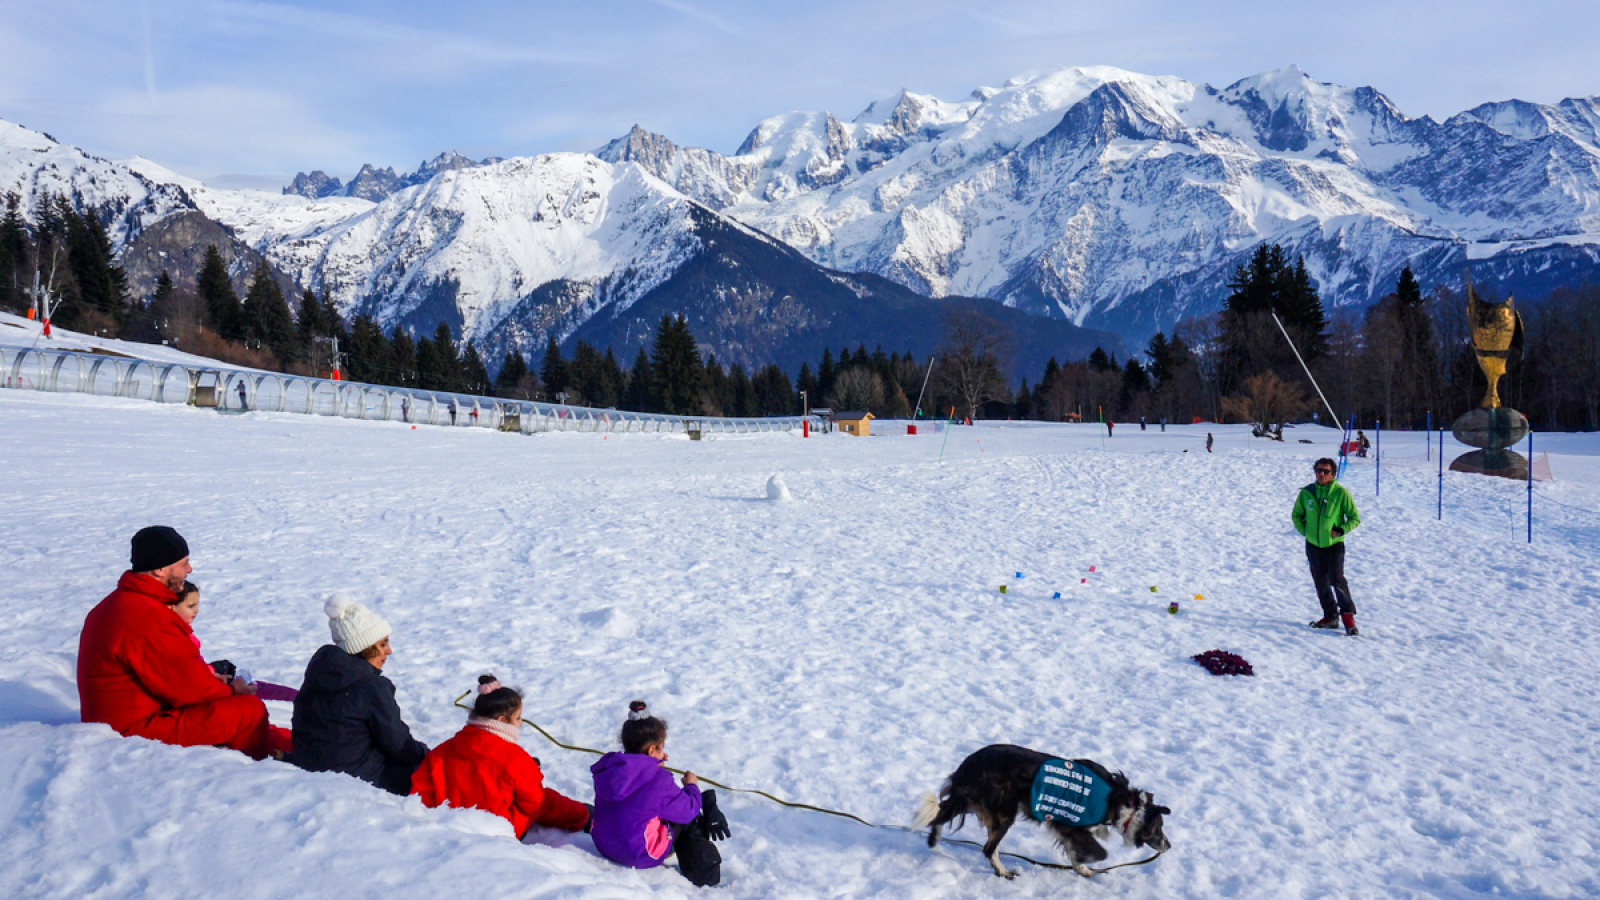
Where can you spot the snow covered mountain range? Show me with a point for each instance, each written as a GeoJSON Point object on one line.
{"type": "Point", "coordinates": [1088, 197]}
{"type": "Point", "coordinates": [1123, 201]}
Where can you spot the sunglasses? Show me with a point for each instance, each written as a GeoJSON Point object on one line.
{"type": "Point", "coordinates": [1321, 471]}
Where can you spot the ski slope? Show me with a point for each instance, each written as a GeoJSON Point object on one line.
{"type": "Point", "coordinates": [846, 649]}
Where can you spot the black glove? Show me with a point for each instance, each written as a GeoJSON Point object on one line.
{"type": "Point", "coordinates": [1336, 531]}
{"type": "Point", "coordinates": [223, 667]}
{"type": "Point", "coordinates": [588, 824]}
{"type": "Point", "coordinates": [716, 824]}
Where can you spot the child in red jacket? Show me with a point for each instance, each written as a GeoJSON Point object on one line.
{"type": "Point", "coordinates": [484, 767]}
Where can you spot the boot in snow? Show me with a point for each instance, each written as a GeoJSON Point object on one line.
{"type": "Point", "coordinates": [1350, 628]}
{"type": "Point", "coordinates": [1326, 622]}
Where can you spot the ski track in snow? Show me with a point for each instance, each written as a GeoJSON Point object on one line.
{"type": "Point", "coordinates": [846, 649]}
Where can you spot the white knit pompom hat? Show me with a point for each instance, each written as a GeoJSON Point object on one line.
{"type": "Point", "coordinates": [353, 626]}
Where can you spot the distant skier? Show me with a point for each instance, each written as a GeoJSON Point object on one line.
{"type": "Point", "coordinates": [405, 410]}
{"type": "Point", "coordinates": [1324, 513]}
{"type": "Point", "coordinates": [1141, 423]}
{"type": "Point", "coordinates": [1109, 425]}
{"type": "Point", "coordinates": [1163, 424]}
{"type": "Point", "coordinates": [1362, 444]}
{"type": "Point", "coordinates": [1208, 442]}
{"type": "Point", "coordinates": [452, 412]}
{"type": "Point", "coordinates": [243, 404]}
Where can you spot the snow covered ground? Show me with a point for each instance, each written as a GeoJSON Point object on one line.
{"type": "Point", "coordinates": [846, 649]}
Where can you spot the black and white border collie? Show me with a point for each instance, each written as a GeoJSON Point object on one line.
{"type": "Point", "coordinates": [994, 784]}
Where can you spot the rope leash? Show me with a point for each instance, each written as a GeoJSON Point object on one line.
{"type": "Point", "coordinates": [831, 812]}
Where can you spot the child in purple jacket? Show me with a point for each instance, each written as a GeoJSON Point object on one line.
{"type": "Point", "coordinates": [641, 815]}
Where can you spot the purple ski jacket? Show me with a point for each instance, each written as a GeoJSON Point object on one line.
{"type": "Point", "coordinates": [634, 799]}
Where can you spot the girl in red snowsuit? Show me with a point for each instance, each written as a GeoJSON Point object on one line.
{"type": "Point", "coordinates": [484, 767]}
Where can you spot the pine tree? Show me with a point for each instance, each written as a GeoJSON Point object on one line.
{"type": "Point", "coordinates": [309, 319]}
{"type": "Point", "coordinates": [1100, 362]}
{"type": "Point", "coordinates": [265, 316]}
{"type": "Point", "coordinates": [715, 398]}
{"type": "Point", "coordinates": [1134, 380]}
{"type": "Point", "coordinates": [1160, 353]}
{"type": "Point", "coordinates": [448, 362]}
{"type": "Point", "coordinates": [586, 375]}
{"type": "Point", "coordinates": [430, 374]}
{"type": "Point", "coordinates": [163, 289]}
{"type": "Point", "coordinates": [474, 373]}
{"type": "Point", "coordinates": [615, 381]}
{"type": "Point", "coordinates": [773, 394]}
{"type": "Point", "coordinates": [370, 361]}
{"type": "Point", "coordinates": [803, 383]}
{"type": "Point", "coordinates": [553, 371]}
{"type": "Point", "coordinates": [101, 282]}
{"type": "Point", "coordinates": [678, 374]}
{"type": "Point", "coordinates": [216, 293]}
{"type": "Point", "coordinates": [741, 393]}
{"type": "Point", "coordinates": [641, 392]}
{"type": "Point", "coordinates": [402, 359]}
{"type": "Point", "coordinates": [1024, 402]}
{"type": "Point", "coordinates": [825, 376]}
{"type": "Point", "coordinates": [13, 255]}
{"type": "Point", "coordinates": [512, 371]}
{"type": "Point", "coordinates": [1251, 342]}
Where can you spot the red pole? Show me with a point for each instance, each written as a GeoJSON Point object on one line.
{"type": "Point", "coordinates": [805, 428]}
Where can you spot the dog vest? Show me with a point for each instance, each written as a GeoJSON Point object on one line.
{"type": "Point", "coordinates": [1069, 792]}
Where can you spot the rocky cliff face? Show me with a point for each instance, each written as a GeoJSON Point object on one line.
{"type": "Point", "coordinates": [374, 184]}
{"type": "Point", "coordinates": [177, 245]}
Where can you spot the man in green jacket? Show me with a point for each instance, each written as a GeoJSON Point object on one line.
{"type": "Point", "coordinates": [1323, 514]}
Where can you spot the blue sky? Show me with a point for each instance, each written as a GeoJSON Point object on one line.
{"type": "Point", "coordinates": [233, 87]}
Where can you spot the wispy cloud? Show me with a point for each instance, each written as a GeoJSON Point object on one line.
{"type": "Point", "coordinates": [715, 21]}
{"type": "Point", "coordinates": [276, 86]}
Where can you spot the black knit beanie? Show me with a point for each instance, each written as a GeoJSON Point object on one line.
{"type": "Point", "coordinates": [157, 547]}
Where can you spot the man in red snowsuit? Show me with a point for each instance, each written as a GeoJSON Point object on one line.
{"type": "Point", "coordinates": [137, 669]}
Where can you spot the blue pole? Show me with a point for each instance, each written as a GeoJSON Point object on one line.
{"type": "Point", "coordinates": [1378, 447]}
{"type": "Point", "coordinates": [1530, 485]}
{"type": "Point", "coordinates": [1441, 473]}
{"type": "Point", "coordinates": [1344, 442]}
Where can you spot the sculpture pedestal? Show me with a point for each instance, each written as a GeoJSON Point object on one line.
{"type": "Point", "coordinates": [1494, 430]}
{"type": "Point", "coordinates": [1500, 463]}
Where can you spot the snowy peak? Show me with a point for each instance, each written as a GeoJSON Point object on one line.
{"type": "Point", "coordinates": [1118, 110]}
{"type": "Point", "coordinates": [1574, 118]}
{"type": "Point", "coordinates": [373, 183]}
{"type": "Point", "coordinates": [1290, 111]}
{"type": "Point", "coordinates": [35, 165]}
{"type": "Point", "coordinates": [708, 177]}
{"type": "Point", "coordinates": [471, 243]}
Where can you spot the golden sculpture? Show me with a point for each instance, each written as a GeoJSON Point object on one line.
{"type": "Point", "coordinates": [1496, 331]}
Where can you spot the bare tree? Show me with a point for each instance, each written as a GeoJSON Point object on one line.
{"type": "Point", "coordinates": [857, 388]}
{"type": "Point", "coordinates": [975, 349]}
{"type": "Point", "coordinates": [1267, 399]}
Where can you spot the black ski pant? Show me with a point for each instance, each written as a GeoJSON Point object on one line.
{"type": "Point", "coordinates": [1327, 572]}
{"type": "Point", "coordinates": [698, 858]}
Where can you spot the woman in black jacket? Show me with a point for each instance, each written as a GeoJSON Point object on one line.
{"type": "Point", "coordinates": [345, 717]}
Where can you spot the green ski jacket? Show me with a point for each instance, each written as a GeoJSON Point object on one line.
{"type": "Point", "coordinates": [1319, 509]}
